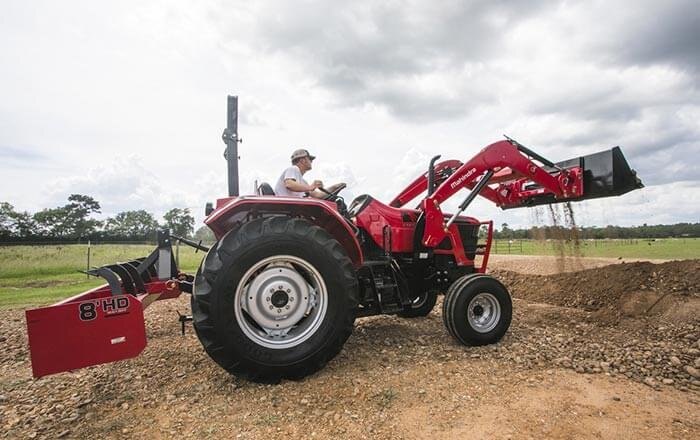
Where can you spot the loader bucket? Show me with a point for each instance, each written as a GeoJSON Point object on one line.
{"type": "Point", "coordinates": [605, 174]}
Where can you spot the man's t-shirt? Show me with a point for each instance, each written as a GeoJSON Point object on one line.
{"type": "Point", "coordinates": [292, 172]}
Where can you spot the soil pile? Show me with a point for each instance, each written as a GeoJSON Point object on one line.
{"type": "Point", "coordinates": [621, 289]}
{"type": "Point", "coordinates": [556, 374]}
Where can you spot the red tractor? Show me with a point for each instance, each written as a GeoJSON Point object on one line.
{"type": "Point", "coordinates": [277, 295]}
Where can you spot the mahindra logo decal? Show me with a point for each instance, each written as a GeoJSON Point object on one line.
{"type": "Point", "coordinates": [462, 178]}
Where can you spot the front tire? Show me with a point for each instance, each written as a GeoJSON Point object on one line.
{"type": "Point", "coordinates": [477, 310]}
{"type": "Point", "coordinates": [275, 299]}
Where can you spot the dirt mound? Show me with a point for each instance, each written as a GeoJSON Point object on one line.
{"type": "Point", "coordinates": [627, 289]}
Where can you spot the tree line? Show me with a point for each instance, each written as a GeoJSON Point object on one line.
{"type": "Point", "coordinates": [595, 232]}
{"type": "Point", "coordinates": [73, 221]}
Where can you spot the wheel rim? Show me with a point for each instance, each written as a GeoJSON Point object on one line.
{"type": "Point", "coordinates": [484, 312]}
{"type": "Point", "coordinates": [420, 300]}
{"type": "Point", "coordinates": [280, 301]}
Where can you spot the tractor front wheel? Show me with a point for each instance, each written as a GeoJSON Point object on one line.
{"type": "Point", "coordinates": [477, 310]}
{"type": "Point", "coordinates": [275, 299]}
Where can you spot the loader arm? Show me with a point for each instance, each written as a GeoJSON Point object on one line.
{"type": "Point", "coordinates": [513, 180]}
{"type": "Point", "coordinates": [442, 171]}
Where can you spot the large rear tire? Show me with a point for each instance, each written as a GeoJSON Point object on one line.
{"type": "Point", "coordinates": [275, 299]}
{"type": "Point", "coordinates": [477, 310]}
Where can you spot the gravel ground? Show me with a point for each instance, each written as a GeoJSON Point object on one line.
{"type": "Point", "coordinates": [566, 369]}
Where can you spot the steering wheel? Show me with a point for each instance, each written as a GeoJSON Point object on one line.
{"type": "Point", "coordinates": [334, 194]}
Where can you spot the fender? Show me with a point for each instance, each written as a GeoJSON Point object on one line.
{"type": "Point", "coordinates": [231, 212]}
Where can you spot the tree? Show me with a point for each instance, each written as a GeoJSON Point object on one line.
{"type": "Point", "coordinates": [6, 220]}
{"type": "Point", "coordinates": [79, 210]}
{"type": "Point", "coordinates": [132, 224]}
{"type": "Point", "coordinates": [179, 221]}
{"type": "Point", "coordinates": [506, 231]}
{"type": "Point", "coordinates": [50, 222]}
{"type": "Point", "coordinates": [205, 235]}
{"type": "Point", "coordinates": [15, 224]}
{"type": "Point", "coordinates": [71, 220]}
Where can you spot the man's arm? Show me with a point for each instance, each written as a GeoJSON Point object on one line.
{"type": "Point", "coordinates": [293, 185]}
{"type": "Point", "coordinates": [320, 194]}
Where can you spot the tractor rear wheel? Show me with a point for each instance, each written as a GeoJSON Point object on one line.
{"type": "Point", "coordinates": [275, 299]}
{"type": "Point", "coordinates": [477, 310]}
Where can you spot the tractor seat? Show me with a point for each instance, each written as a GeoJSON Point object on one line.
{"type": "Point", "coordinates": [264, 189]}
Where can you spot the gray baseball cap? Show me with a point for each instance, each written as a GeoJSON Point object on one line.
{"type": "Point", "coordinates": [302, 153]}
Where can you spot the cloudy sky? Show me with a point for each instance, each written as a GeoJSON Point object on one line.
{"type": "Point", "coordinates": [125, 101]}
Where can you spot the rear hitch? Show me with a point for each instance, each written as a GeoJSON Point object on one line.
{"type": "Point", "coordinates": [182, 319]}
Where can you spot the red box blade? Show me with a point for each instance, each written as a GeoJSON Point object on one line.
{"type": "Point", "coordinates": [73, 335]}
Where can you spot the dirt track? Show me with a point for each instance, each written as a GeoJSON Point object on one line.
{"type": "Point", "coordinates": [577, 363]}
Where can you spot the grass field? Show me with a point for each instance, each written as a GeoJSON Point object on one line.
{"type": "Point", "coordinates": [35, 275]}
{"type": "Point", "coordinates": [665, 249]}
{"type": "Point", "coordinates": [32, 275]}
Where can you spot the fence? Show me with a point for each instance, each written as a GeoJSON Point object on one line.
{"type": "Point", "coordinates": [520, 246]}
{"type": "Point", "coordinates": [507, 247]}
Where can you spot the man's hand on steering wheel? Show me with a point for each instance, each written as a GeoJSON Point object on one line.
{"type": "Point", "coordinates": [333, 195]}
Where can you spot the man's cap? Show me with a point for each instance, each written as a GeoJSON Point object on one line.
{"type": "Point", "coordinates": [298, 154]}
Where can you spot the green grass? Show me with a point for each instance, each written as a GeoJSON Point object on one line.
{"type": "Point", "coordinates": [37, 275]}
{"type": "Point", "coordinates": [665, 249]}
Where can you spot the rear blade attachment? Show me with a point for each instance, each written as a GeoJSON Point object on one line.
{"type": "Point", "coordinates": [131, 277]}
{"type": "Point", "coordinates": [104, 324]}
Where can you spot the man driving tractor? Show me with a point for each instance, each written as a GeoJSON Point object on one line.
{"type": "Point", "coordinates": [292, 184]}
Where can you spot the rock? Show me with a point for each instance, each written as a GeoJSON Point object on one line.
{"type": "Point", "coordinates": [697, 363]}
{"type": "Point", "coordinates": [63, 434]}
{"type": "Point", "coordinates": [84, 403]}
{"type": "Point", "coordinates": [3, 398]}
{"type": "Point", "coordinates": [667, 381]}
{"type": "Point", "coordinates": [675, 361]}
{"type": "Point", "coordinates": [692, 371]}
{"type": "Point", "coordinates": [649, 381]}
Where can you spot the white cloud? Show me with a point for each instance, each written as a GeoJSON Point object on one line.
{"type": "Point", "coordinates": [373, 89]}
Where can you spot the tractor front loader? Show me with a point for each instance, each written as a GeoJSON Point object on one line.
{"type": "Point", "coordinates": [277, 295]}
